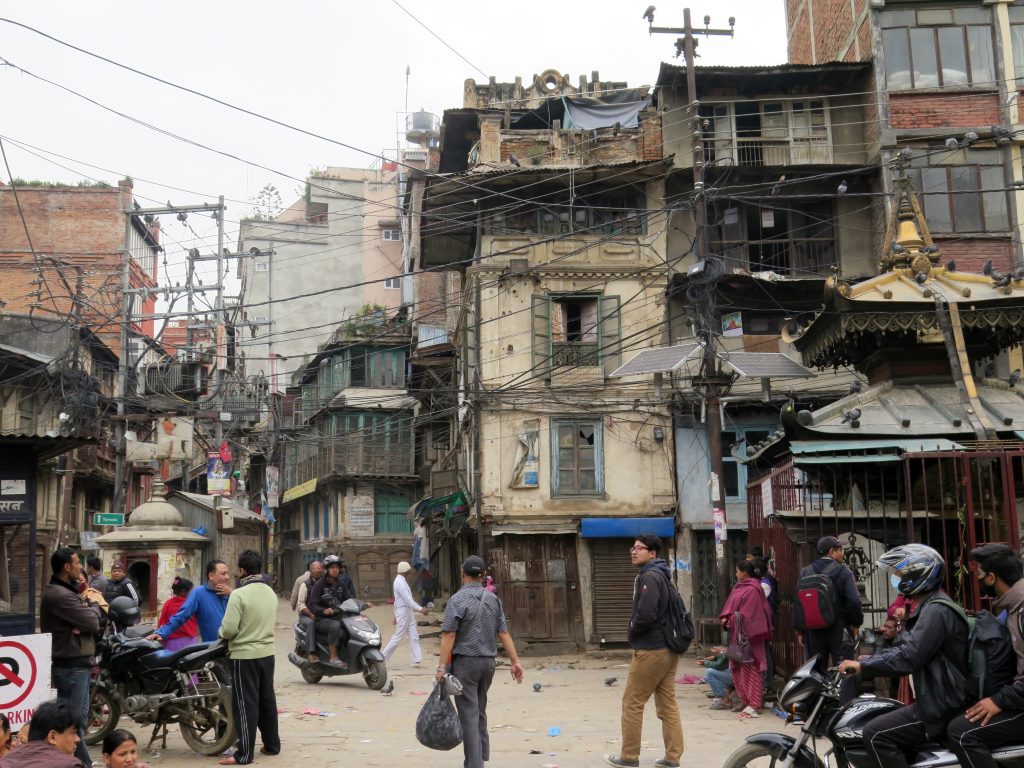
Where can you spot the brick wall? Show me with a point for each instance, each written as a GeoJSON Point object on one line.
{"type": "Point", "coordinates": [651, 142]}
{"type": "Point", "coordinates": [81, 228]}
{"type": "Point", "coordinates": [431, 298]}
{"type": "Point", "coordinates": [834, 22]}
{"type": "Point", "coordinates": [945, 110]}
{"type": "Point", "coordinates": [971, 255]}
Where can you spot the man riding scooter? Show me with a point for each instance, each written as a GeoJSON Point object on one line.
{"type": "Point", "coordinates": [324, 602]}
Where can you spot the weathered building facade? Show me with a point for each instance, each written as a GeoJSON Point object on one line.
{"type": "Point", "coordinates": [554, 198]}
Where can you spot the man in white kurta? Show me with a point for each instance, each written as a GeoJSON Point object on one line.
{"type": "Point", "coordinates": [405, 622]}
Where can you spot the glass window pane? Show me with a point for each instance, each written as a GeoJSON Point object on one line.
{"type": "Point", "coordinates": [979, 46]}
{"type": "Point", "coordinates": [566, 480]}
{"type": "Point", "coordinates": [967, 206]}
{"type": "Point", "coordinates": [897, 59]}
{"type": "Point", "coordinates": [889, 18]}
{"type": "Point", "coordinates": [1017, 36]}
{"type": "Point", "coordinates": [935, 16]}
{"type": "Point", "coordinates": [566, 457]}
{"type": "Point", "coordinates": [566, 435]}
{"type": "Point", "coordinates": [926, 66]}
{"type": "Point", "coordinates": [1016, 12]}
{"type": "Point", "coordinates": [732, 479]}
{"type": "Point", "coordinates": [586, 458]}
{"type": "Point", "coordinates": [996, 216]}
{"type": "Point", "coordinates": [588, 480]}
{"type": "Point", "coordinates": [936, 201]}
{"type": "Point", "coordinates": [973, 16]}
{"type": "Point", "coordinates": [953, 55]}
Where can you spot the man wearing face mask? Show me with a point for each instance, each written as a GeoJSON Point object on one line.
{"type": "Point", "coordinates": [998, 719]}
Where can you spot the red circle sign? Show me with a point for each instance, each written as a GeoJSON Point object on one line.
{"type": "Point", "coordinates": [8, 675]}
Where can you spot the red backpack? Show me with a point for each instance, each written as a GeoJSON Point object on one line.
{"type": "Point", "coordinates": [817, 604]}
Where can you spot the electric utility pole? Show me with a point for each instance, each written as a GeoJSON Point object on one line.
{"type": "Point", "coordinates": [711, 383]}
{"type": "Point", "coordinates": [128, 318]}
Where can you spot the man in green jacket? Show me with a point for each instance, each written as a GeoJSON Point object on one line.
{"type": "Point", "coordinates": [248, 627]}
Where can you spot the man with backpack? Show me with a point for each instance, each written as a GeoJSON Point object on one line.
{"type": "Point", "coordinates": [652, 670]}
{"type": "Point", "coordinates": [934, 651]}
{"type": "Point", "coordinates": [827, 613]}
{"type": "Point", "coordinates": [998, 719]}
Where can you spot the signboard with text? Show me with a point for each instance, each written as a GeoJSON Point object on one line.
{"type": "Point", "coordinates": [24, 676]}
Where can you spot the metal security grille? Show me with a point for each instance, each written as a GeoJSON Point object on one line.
{"type": "Point", "coordinates": [613, 588]}
{"type": "Point", "coordinates": [707, 597]}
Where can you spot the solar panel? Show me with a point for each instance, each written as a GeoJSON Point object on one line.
{"type": "Point", "coordinates": [658, 360]}
{"type": "Point", "coordinates": [766, 365]}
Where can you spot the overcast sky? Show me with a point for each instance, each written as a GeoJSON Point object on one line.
{"type": "Point", "coordinates": [336, 68]}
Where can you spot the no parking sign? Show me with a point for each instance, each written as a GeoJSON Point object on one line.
{"type": "Point", "coordinates": [24, 675]}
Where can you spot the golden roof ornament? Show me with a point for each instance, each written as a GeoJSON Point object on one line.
{"type": "Point", "coordinates": [908, 241]}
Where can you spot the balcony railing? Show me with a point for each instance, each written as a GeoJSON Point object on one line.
{"type": "Point", "coordinates": [575, 353]}
{"type": "Point", "coordinates": [770, 152]}
{"type": "Point", "coordinates": [797, 257]}
{"type": "Point", "coordinates": [349, 457]}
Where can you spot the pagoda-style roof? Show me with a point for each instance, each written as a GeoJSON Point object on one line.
{"type": "Point", "coordinates": [916, 299]}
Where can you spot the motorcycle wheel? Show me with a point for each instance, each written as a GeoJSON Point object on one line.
{"type": "Point", "coordinates": [104, 713]}
{"type": "Point", "coordinates": [375, 674]}
{"type": "Point", "coordinates": [209, 730]}
{"type": "Point", "coordinates": [750, 756]}
{"type": "Point", "coordinates": [312, 676]}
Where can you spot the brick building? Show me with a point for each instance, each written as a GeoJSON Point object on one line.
{"type": "Point", "coordinates": [77, 234]}
{"type": "Point", "coordinates": [942, 72]}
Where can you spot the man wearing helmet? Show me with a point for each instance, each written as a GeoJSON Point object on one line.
{"type": "Point", "coordinates": [324, 602]}
{"type": "Point", "coordinates": [934, 652]}
{"type": "Point", "coordinates": [996, 720]}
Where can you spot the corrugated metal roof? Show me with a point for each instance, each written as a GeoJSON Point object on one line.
{"type": "Point", "coordinates": [45, 359]}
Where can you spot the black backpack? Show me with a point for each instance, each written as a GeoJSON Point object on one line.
{"type": "Point", "coordinates": [817, 604]}
{"type": "Point", "coordinates": [991, 660]}
{"type": "Point", "coordinates": [677, 624]}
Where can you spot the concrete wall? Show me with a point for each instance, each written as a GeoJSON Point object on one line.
{"type": "Point", "coordinates": [345, 250]}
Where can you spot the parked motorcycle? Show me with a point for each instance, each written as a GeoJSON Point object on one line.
{"type": "Point", "coordinates": [361, 653]}
{"type": "Point", "coordinates": [812, 698]}
{"type": "Point", "coordinates": [138, 678]}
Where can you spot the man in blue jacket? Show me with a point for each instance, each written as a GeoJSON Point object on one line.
{"type": "Point", "coordinates": [207, 603]}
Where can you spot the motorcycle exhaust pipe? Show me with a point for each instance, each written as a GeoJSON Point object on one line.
{"type": "Point", "coordinates": [298, 661]}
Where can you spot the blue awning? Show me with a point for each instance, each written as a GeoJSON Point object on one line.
{"type": "Point", "coordinates": [626, 527]}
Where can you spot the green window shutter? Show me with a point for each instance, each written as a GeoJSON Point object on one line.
{"type": "Point", "coordinates": [610, 339]}
{"type": "Point", "coordinates": [540, 335]}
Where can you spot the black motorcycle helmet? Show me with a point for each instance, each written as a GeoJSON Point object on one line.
{"type": "Point", "coordinates": [123, 611]}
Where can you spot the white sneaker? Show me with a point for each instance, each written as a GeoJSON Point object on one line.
{"type": "Point", "coordinates": [415, 665]}
{"type": "Point", "coordinates": [749, 712]}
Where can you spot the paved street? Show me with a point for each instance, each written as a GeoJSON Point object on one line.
{"type": "Point", "coordinates": [378, 730]}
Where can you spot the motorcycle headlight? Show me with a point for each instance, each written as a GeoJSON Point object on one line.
{"type": "Point", "coordinates": [368, 637]}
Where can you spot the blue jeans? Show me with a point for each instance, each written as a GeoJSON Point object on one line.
{"type": "Point", "coordinates": [719, 680]}
{"type": "Point", "coordinates": [72, 684]}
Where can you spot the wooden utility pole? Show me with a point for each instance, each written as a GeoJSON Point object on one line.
{"type": "Point", "coordinates": [712, 384]}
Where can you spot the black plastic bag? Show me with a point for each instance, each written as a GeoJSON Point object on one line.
{"type": "Point", "coordinates": [438, 725]}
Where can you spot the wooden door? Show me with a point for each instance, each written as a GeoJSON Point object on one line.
{"type": "Point", "coordinates": [537, 580]}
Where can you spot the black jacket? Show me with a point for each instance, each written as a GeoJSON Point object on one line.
{"type": "Point", "coordinates": [846, 590]}
{"type": "Point", "coordinates": [328, 593]}
{"type": "Point", "coordinates": [123, 588]}
{"type": "Point", "coordinates": [933, 649]}
{"type": "Point", "coordinates": [650, 604]}
{"type": "Point", "coordinates": [71, 621]}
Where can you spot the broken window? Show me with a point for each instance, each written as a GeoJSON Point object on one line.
{"type": "Point", "coordinates": [575, 330]}
{"type": "Point", "coordinates": [560, 213]}
{"type": "Point", "coordinates": [316, 213]}
{"type": "Point", "coordinates": [767, 133]}
{"type": "Point", "coordinates": [787, 240]}
{"type": "Point", "coordinates": [577, 458]}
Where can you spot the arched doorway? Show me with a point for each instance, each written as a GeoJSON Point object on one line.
{"type": "Point", "coordinates": [140, 571]}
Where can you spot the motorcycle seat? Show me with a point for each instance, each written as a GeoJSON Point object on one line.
{"type": "Point", "coordinates": [200, 654]}
{"type": "Point", "coordinates": [164, 658]}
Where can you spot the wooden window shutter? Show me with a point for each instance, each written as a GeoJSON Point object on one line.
{"type": "Point", "coordinates": [540, 335]}
{"type": "Point", "coordinates": [610, 340]}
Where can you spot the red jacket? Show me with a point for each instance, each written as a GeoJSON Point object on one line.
{"type": "Point", "coordinates": [171, 605]}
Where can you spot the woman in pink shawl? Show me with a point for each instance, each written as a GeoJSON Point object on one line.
{"type": "Point", "coordinates": [747, 598]}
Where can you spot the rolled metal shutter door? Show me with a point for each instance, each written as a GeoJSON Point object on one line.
{"type": "Point", "coordinates": [613, 588]}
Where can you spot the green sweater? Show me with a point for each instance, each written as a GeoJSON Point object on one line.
{"type": "Point", "coordinates": [248, 624]}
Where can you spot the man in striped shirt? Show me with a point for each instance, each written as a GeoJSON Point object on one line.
{"type": "Point", "coordinates": [472, 620]}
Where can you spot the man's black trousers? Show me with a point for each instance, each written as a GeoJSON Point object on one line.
{"type": "Point", "coordinates": [973, 742]}
{"type": "Point", "coordinates": [890, 737]}
{"type": "Point", "coordinates": [255, 706]}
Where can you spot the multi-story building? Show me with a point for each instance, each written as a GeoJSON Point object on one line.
{"type": "Point", "coordinates": [790, 185]}
{"type": "Point", "coordinates": [942, 71]}
{"type": "Point", "coordinates": [332, 254]}
{"type": "Point", "coordinates": [347, 460]}
{"type": "Point", "coordinates": [550, 203]}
